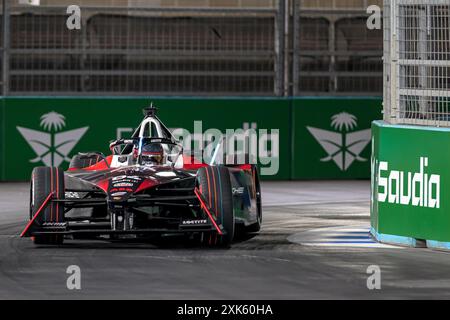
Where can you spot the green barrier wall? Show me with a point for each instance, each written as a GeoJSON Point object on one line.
{"type": "Point", "coordinates": [27, 136]}
{"type": "Point", "coordinates": [332, 137]}
{"type": "Point", "coordinates": [410, 172]}
{"type": "Point", "coordinates": [103, 117]}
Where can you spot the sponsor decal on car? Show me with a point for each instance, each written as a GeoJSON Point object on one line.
{"type": "Point", "coordinates": [119, 194]}
{"type": "Point", "coordinates": [54, 224]}
{"type": "Point", "coordinates": [194, 222]}
{"type": "Point", "coordinates": [239, 190]}
{"type": "Point", "coordinates": [126, 178]}
{"type": "Point", "coordinates": [72, 195]}
{"type": "Point", "coordinates": [113, 190]}
{"type": "Point", "coordinates": [123, 184]}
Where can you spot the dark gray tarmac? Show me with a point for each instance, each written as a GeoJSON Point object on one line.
{"type": "Point", "coordinates": [267, 266]}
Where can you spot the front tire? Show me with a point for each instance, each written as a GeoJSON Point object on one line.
{"type": "Point", "coordinates": [214, 184]}
{"type": "Point", "coordinates": [45, 180]}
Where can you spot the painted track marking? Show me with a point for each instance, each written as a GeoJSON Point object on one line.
{"type": "Point", "coordinates": [357, 237]}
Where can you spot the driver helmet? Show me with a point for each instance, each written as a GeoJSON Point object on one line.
{"type": "Point", "coordinates": [152, 153]}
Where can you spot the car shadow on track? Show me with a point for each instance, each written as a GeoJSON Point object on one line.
{"type": "Point", "coordinates": [163, 243]}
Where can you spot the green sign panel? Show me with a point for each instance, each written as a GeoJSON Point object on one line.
{"type": "Point", "coordinates": [410, 175]}
{"type": "Point", "coordinates": [50, 131]}
{"type": "Point", "coordinates": [332, 137]}
{"type": "Point", "coordinates": [316, 138]}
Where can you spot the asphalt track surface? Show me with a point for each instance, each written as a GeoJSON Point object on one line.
{"type": "Point", "coordinates": [267, 266]}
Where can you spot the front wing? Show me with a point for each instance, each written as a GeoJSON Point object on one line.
{"type": "Point", "coordinates": [205, 222]}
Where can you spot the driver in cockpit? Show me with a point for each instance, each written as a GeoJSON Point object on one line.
{"type": "Point", "coordinates": [152, 154]}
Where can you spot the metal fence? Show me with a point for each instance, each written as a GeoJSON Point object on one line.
{"type": "Point", "coordinates": [417, 62]}
{"type": "Point", "coordinates": [337, 54]}
{"type": "Point", "coordinates": [290, 48]}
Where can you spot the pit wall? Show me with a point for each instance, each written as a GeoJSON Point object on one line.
{"type": "Point", "coordinates": [318, 138]}
{"type": "Point", "coordinates": [410, 178]}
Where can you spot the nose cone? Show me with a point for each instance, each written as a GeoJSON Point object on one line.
{"type": "Point", "coordinates": [121, 188]}
{"type": "Point", "coordinates": [120, 184]}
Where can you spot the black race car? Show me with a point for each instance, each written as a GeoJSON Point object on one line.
{"type": "Point", "coordinates": [147, 187]}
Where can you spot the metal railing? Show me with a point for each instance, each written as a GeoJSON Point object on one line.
{"type": "Point", "coordinates": [280, 50]}
{"type": "Point", "coordinates": [417, 62]}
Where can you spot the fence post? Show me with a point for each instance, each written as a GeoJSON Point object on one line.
{"type": "Point", "coordinates": [394, 107]}
{"type": "Point", "coordinates": [6, 45]}
{"type": "Point", "coordinates": [287, 52]}
{"type": "Point", "coordinates": [296, 48]}
{"type": "Point", "coordinates": [279, 48]}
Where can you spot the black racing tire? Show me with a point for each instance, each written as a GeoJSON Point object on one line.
{"type": "Point", "coordinates": [45, 180]}
{"type": "Point", "coordinates": [81, 161]}
{"type": "Point", "coordinates": [256, 227]}
{"type": "Point", "coordinates": [215, 186]}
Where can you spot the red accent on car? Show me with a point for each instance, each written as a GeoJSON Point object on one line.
{"type": "Point", "coordinates": [192, 163]}
{"type": "Point", "coordinates": [57, 194]}
{"type": "Point", "coordinates": [43, 205]}
{"type": "Point", "coordinates": [104, 184]}
{"type": "Point", "coordinates": [145, 185]}
{"type": "Point", "coordinates": [204, 207]}
{"type": "Point", "coordinates": [247, 167]}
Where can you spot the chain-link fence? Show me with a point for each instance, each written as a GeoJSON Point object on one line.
{"type": "Point", "coordinates": [280, 48]}
{"type": "Point", "coordinates": [337, 54]}
{"type": "Point", "coordinates": [134, 51]}
{"type": "Point", "coordinates": [417, 62]}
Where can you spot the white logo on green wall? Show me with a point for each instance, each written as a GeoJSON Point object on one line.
{"type": "Point", "coordinates": [52, 147]}
{"type": "Point", "coordinates": [342, 146]}
{"type": "Point", "coordinates": [420, 189]}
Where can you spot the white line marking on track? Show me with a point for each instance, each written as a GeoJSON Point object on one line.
{"type": "Point", "coordinates": [356, 237]}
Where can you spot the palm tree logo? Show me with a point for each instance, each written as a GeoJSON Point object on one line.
{"type": "Point", "coordinates": [53, 120]}
{"type": "Point", "coordinates": [344, 121]}
{"type": "Point", "coordinates": [344, 145]}
{"type": "Point", "coordinates": [52, 147]}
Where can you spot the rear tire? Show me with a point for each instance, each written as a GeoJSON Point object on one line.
{"type": "Point", "coordinates": [256, 227]}
{"type": "Point", "coordinates": [45, 180]}
{"type": "Point", "coordinates": [215, 185]}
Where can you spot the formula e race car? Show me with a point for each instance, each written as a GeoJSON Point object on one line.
{"type": "Point", "coordinates": [148, 187]}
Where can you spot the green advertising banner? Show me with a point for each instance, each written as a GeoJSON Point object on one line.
{"type": "Point", "coordinates": [317, 138]}
{"type": "Point", "coordinates": [49, 131]}
{"type": "Point", "coordinates": [332, 137]}
{"type": "Point", "coordinates": [410, 171]}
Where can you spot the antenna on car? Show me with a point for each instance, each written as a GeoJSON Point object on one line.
{"type": "Point", "coordinates": [150, 111]}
